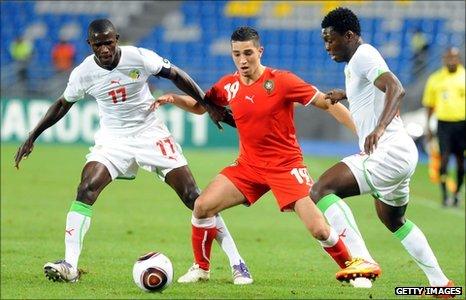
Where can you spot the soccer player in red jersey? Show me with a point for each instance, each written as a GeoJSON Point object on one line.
{"type": "Point", "coordinates": [262, 101]}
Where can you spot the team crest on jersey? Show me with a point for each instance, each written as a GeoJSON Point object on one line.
{"type": "Point", "coordinates": [269, 85]}
{"type": "Point", "coordinates": [134, 74]}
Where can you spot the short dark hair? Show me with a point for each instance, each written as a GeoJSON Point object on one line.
{"type": "Point", "coordinates": [245, 33]}
{"type": "Point", "coordinates": [99, 26]}
{"type": "Point", "coordinates": [342, 19]}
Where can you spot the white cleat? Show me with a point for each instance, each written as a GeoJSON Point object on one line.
{"type": "Point", "coordinates": [194, 274]}
{"type": "Point", "coordinates": [241, 274]}
{"type": "Point", "coordinates": [361, 283]}
{"type": "Point", "coordinates": [61, 271]}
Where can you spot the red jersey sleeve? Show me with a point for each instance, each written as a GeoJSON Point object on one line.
{"type": "Point", "coordinates": [216, 94]}
{"type": "Point", "coordinates": [297, 90]}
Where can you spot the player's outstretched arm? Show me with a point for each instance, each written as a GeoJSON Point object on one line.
{"type": "Point", "coordinates": [184, 102]}
{"type": "Point", "coordinates": [185, 83]}
{"type": "Point", "coordinates": [337, 110]}
{"type": "Point", "coordinates": [55, 112]}
{"type": "Point", "coordinates": [394, 92]}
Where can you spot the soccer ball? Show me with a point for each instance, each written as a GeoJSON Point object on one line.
{"type": "Point", "coordinates": [153, 272]}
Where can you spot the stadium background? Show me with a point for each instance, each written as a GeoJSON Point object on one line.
{"type": "Point", "coordinates": [195, 36]}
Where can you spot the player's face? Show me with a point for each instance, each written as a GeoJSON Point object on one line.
{"type": "Point", "coordinates": [104, 46]}
{"type": "Point", "coordinates": [246, 56]}
{"type": "Point", "coordinates": [335, 44]}
{"type": "Point", "coordinates": [451, 60]}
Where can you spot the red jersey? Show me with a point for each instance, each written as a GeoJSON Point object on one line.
{"type": "Point", "coordinates": [264, 115]}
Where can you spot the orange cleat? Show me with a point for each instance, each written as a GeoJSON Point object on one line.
{"type": "Point", "coordinates": [449, 284]}
{"type": "Point", "coordinates": [359, 267]}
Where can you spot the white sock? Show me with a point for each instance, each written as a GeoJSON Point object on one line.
{"type": "Point", "coordinates": [77, 225]}
{"type": "Point", "coordinates": [225, 240]}
{"type": "Point", "coordinates": [332, 239]}
{"type": "Point", "coordinates": [417, 246]}
{"type": "Point", "coordinates": [341, 218]}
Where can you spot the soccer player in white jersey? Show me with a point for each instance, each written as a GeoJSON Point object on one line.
{"type": "Point", "coordinates": [130, 136]}
{"type": "Point", "coordinates": [388, 155]}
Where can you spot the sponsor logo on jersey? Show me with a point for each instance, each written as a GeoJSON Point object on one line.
{"type": "Point", "coordinates": [134, 74]}
{"type": "Point", "coordinates": [269, 85]}
{"type": "Point", "coordinates": [117, 81]}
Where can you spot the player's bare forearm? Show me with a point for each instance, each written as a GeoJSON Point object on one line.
{"type": "Point", "coordinates": [185, 83]}
{"type": "Point", "coordinates": [342, 115]}
{"type": "Point", "coordinates": [187, 103]}
{"type": "Point", "coordinates": [55, 112]}
{"type": "Point", "coordinates": [394, 92]}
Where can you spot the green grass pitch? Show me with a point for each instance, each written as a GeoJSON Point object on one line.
{"type": "Point", "coordinates": [134, 217]}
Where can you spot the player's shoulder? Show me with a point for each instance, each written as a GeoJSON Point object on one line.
{"type": "Point", "coordinates": [133, 51]}
{"type": "Point", "coordinates": [367, 50]}
{"type": "Point", "coordinates": [228, 78]}
{"type": "Point", "coordinates": [279, 74]}
{"type": "Point", "coordinates": [86, 66]}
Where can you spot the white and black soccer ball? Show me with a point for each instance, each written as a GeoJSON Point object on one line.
{"type": "Point", "coordinates": [153, 272]}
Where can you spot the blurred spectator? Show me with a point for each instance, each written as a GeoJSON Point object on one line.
{"type": "Point", "coordinates": [419, 47]}
{"type": "Point", "coordinates": [21, 52]}
{"type": "Point", "coordinates": [63, 55]}
{"type": "Point", "coordinates": [445, 95]}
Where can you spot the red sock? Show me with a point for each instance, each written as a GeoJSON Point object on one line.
{"type": "Point", "coordinates": [339, 253]}
{"type": "Point", "coordinates": [202, 239]}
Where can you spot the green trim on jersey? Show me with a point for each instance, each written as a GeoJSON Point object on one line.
{"type": "Point", "coordinates": [126, 178]}
{"type": "Point", "coordinates": [327, 201]}
{"type": "Point", "coordinates": [81, 208]}
{"type": "Point", "coordinates": [404, 230]}
{"type": "Point", "coordinates": [380, 72]}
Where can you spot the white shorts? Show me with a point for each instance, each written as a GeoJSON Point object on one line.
{"type": "Point", "coordinates": [387, 171]}
{"type": "Point", "coordinates": [124, 155]}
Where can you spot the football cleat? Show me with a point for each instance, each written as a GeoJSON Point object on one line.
{"type": "Point", "coordinates": [194, 274]}
{"type": "Point", "coordinates": [241, 274]}
{"type": "Point", "coordinates": [359, 267]}
{"type": "Point", "coordinates": [449, 284]}
{"type": "Point", "coordinates": [61, 271]}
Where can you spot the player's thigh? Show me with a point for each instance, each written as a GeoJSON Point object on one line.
{"type": "Point", "coordinates": [160, 155]}
{"type": "Point", "coordinates": [116, 155]}
{"type": "Point", "coordinates": [338, 180]}
{"type": "Point", "coordinates": [251, 183]}
{"type": "Point", "coordinates": [219, 194]}
{"type": "Point", "coordinates": [385, 173]}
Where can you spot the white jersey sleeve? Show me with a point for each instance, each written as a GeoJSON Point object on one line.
{"type": "Point", "coordinates": [74, 90]}
{"type": "Point", "coordinates": [369, 63]}
{"type": "Point", "coordinates": [153, 63]}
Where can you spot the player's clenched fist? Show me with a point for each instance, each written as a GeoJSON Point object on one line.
{"type": "Point", "coordinates": [335, 96]}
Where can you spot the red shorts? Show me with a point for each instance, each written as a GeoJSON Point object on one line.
{"type": "Point", "coordinates": [288, 184]}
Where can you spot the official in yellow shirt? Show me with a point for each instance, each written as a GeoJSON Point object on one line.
{"type": "Point", "coordinates": [444, 95]}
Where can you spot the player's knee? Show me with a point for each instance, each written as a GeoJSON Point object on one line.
{"type": "Point", "coordinates": [189, 197]}
{"type": "Point", "coordinates": [318, 191]}
{"type": "Point", "coordinates": [86, 193]}
{"type": "Point", "coordinates": [202, 209]}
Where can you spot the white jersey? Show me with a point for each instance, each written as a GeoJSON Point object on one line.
{"type": "Point", "coordinates": [366, 101]}
{"type": "Point", "coordinates": [122, 94]}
